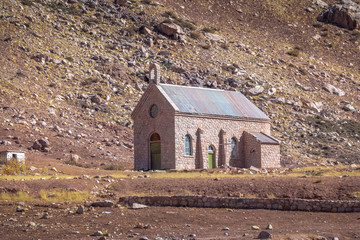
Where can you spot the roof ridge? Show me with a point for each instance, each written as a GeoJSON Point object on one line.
{"type": "Point", "coordinates": [202, 88]}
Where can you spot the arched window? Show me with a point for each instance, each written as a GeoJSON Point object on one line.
{"type": "Point", "coordinates": [233, 147]}
{"type": "Point", "coordinates": [187, 145]}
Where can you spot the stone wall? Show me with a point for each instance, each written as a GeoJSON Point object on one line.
{"type": "Point", "coordinates": [246, 203]}
{"type": "Point", "coordinates": [211, 126]}
{"type": "Point", "coordinates": [270, 156]}
{"type": "Point", "coordinates": [252, 149]}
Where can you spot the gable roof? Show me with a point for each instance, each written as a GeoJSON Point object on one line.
{"type": "Point", "coordinates": [263, 138]}
{"type": "Point", "coordinates": [195, 100]}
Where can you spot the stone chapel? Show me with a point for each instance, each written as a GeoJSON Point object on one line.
{"type": "Point", "coordinates": [182, 127]}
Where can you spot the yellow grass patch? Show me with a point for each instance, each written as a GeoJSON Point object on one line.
{"type": "Point", "coordinates": [60, 195]}
{"type": "Point", "coordinates": [15, 197]}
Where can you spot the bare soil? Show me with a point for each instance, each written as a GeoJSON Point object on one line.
{"type": "Point", "coordinates": [179, 223]}
{"type": "Point", "coordinates": [175, 223]}
{"type": "Point", "coordinates": [332, 188]}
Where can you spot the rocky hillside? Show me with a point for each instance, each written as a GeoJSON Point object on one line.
{"type": "Point", "coordinates": [72, 71]}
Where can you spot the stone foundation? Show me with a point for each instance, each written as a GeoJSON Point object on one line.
{"type": "Point", "coordinates": [294, 204]}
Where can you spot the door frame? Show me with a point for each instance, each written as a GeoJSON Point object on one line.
{"type": "Point", "coordinates": [149, 149]}
{"type": "Point", "coordinates": [213, 156]}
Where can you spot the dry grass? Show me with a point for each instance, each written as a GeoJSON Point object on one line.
{"type": "Point", "coordinates": [16, 197]}
{"type": "Point", "coordinates": [56, 195]}
{"type": "Point", "coordinates": [60, 195]}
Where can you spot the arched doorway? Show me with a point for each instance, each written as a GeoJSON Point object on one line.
{"type": "Point", "coordinates": [155, 151]}
{"type": "Point", "coordinates": [211, 157]}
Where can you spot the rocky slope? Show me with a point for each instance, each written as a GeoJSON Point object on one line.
{"type": "Point", "coordinates": [72, 71]}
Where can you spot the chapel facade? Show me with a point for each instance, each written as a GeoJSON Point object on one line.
{"type": "Point", "coordinates": [182, 127]}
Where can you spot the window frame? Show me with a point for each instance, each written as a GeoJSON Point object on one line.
{"type": "Point", "coordinates": [233, 148]}
{"type": "Point", "coordinates": [188, 145]}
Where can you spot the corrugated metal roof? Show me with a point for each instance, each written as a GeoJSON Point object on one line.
{"type": "Point", "coordinates": [197, 100]}
{"type": "Point", "coordinates": [263, 138]}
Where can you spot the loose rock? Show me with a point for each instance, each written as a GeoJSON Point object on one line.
{"type": "Point", "coordinates": [264, 235]}
{"type": "Point", "coordinates": [105, 203]}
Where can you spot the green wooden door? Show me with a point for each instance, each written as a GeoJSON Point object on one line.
{"type": "Point", "coordinates": [211, 157]}
{"type": "Point", "coordinates": [155, 149]}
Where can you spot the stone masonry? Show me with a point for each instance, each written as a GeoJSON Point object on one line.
{"type": "Point", "coordinates": [288, 204]}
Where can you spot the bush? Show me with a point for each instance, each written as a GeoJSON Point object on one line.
{"type": "Point", "coordinates": [13, 167]}
{"type": "Point", "coordinates": [185, 24]}
{"type": "Point", "coordinates": [303, 71]}
{"type": "Point", "coordinates": [355, 36]}
{"type": "Point", "coordinates": [170, 14]}
{"type": "Point", "coordinates": [209, 30]}
{"type": "Point", "coordinates": [295, 52]}
{"type": "Point", "coordinates": [206, 46]}
{"type": "Point", "coordinates": [149, 2]}
{"type": "Point", "coordinates": [224, 46]}
{"type": "Point", "coordinates": [89, 81]}
{"type": "Point", "coordinates": [195, 35]}
{"type": "Point", "coordinates": [177, 20]}
{"type": "Point", "coordinates": [114, 167]}
{"type": "Point", "coordinates": [27, 2]}
{"type": "Point", "coordinates": [317, 25]}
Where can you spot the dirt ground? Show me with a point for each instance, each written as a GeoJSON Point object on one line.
{"type": "Point", "coordinates": [174, 223]}
{"type": "Point", "coordinates": [282, 187]}
{"type": "Point", "coordinates": [179, 223]}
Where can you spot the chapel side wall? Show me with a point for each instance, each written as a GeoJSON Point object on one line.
{"type": "Point", "coordinates": [253, 151]}
{"type": "Point", "coordinates": [270, 156]}
{"type": "Point", "coordinates": [144, 126]}
{"type": "Point", "coordinates": [211, 127]}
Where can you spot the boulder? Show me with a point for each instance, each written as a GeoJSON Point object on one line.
{"type": "Point", "coordinates": [44, 142]}
{"type": "Point", "coordinates": [349, 107]}
{"type": "Point", "coordinates": [74, 157]}
{"type": "Point", "coordinates": [144, 30]}
{"type": "Point", "coordinates": [345, 14]}
{"type": "Point", "coordinates": [320, 3]}
{"type": "Point", "coordinates": [80, 210]}
{"type": "Point", "coordinates": [170, 29]}
{"type": "Point", "coordinates": [41, 144]}
{"type": "Point", "coordinates": [256, 90]}
{"type": "Point", "coordinates": [138, 206]}
{"type": "Point", "coordinates": [95, 99]}
{"type": "Point", "coordinates": [332, 89]}
{"type": "Point", "coordinates": [213, 36]}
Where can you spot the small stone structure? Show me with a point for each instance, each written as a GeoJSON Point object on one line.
{"type": "Point", "coordinates": [288, 204]}
{"type": "Point", "coordinates": [5, 156]}
{"type": "Point", "coordinates": [181, 127]}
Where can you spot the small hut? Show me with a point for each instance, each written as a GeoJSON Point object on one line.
{"type": "Point", "coordinates": [5, 156]}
